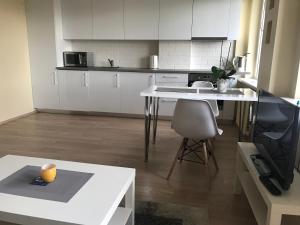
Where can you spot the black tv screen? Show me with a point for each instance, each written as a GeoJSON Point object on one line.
{"type": "Point", "coordinates": [275, 135]}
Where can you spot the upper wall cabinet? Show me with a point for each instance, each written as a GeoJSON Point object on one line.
{"type": "Point", "coordinates": [234, 19]}
{"type": "Point", "coordinates": [210, 18]}
{"type": "Point", "coordinates": [141, 19]}
{"type": "Point", "coordinates": [175, 19]}
{"type": "Point", "coordinates": [108, 19]}
{"type": "Point", "coordinates": [77, 19]}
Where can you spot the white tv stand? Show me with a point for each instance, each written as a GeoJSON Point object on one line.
{"type": "Point", "coordinates": [267, 208]}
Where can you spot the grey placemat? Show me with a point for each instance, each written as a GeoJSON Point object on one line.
{"type": "Point", "coordinates": [66, 185]}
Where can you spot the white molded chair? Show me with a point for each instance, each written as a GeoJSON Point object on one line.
{"type": "Point", "coordinates": [195, 122]}
{"type": "Point", "coordinates": [213, 103]}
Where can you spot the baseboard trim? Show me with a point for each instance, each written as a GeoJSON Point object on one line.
{"type": "Point", "coordinates": [89, 113]}
{"type": "Point", "coordinates": [122, 115]}
{"type": "Point", "coordinates": [17, 117]}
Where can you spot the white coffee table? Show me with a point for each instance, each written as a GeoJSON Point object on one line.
{"type": "Point", "coordinates": [96, 203]}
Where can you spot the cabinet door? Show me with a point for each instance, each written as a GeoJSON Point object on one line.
{"type": "Point", "coordinates": [41, 42]}
{"type": "Point", "coordinates": [175, 19]}
{"type": "Point", "coordinates": [141, 19]}
{"type": "Point", "coordinates": [131, 86]}
{"type": "Point", "coordinates": [108, 19]}
{"type": "Point", "coordinates": [210, 18]}
{"type": "Point", "coordinates": [73, 90]}
{"type": "Point", "coordinates": [167, 105]}
{"type": "Point", "coordinates": [104, 92]}
{"type": "Point", "coordinates": [77, 19]}
{"type": "Point", "coordinates": [234, 19]}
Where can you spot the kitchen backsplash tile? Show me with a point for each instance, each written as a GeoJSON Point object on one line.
{"type": "Point", "coordinates": [172, 54]}
{"type": "Point", "coordinates": [124, 53]}
{"type": "Point", "coordinates": [205, 54]}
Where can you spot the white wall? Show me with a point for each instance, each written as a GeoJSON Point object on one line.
{"type": "Point", "coordinates": [124, 53]}
{"type": "Point", "coordinates": [15, 82]}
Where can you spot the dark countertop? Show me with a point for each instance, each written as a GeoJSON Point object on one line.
{"type": "Point", "coordinates": [129, 69]}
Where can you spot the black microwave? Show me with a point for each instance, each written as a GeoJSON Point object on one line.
{"type": "Point", "coordinates": [78, 59]}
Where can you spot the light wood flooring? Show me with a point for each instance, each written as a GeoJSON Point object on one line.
{"type": "Point", "coordinates": [120, 142]}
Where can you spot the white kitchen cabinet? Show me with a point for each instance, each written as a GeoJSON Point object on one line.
{"type": "Point", "coordinates": [171, 78]}
{"type": "Point", "coordinates": [108, 19]}
{"type": "Point", "coordinates": [41, 42]}
{"type": "Point", "coordinates": [167, 105]}
{"type": "Point", "coordinates": [175, 19]}
{"type": "Point", "coordinates": [131, 85]}
{"type": "Point", "coordinates": [104, 91]}
{"type": "Point", "coordinates": [73, 90]}
{"type": "Point", "coordinates": [77, 19]}
{"type": "Point", "coordinates": [210, 18]}
{"type": "Point", "coordinates": [141, 18]}
{"type": "Point", "coordinates": [234, 19]}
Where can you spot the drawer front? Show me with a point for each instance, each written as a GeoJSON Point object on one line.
{"type": "Point", "coordinates": [171, 78]}
{"type": "Point", "coordinates": [171, 84]}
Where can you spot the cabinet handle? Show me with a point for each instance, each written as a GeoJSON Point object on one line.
{"type": "Point", "coordinates": [171, 77]}
{"type": "Point", "coordinates": [117, 80]}
{"type": "Point", "coordinates": [151, 80]}
{"type": "Point", "coordinates": [86, 83]}
{"type": "Point", "coordinates": [55, 78]}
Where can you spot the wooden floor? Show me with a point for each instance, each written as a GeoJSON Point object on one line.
{"type": "Point", "coordinates": [119, 142]}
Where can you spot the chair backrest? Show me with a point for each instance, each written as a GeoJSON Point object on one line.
{"type": "Point", "coordinates": [194, 119]}
{"type": "Point", "coordinates": [203, 84]}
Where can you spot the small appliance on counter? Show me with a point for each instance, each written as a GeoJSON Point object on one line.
{"type": "Point", "coordinates": [78, 59]}
{"type": "Point", "coordinates": [240, 63]}
{"type": "Point", "coordinates": [154, 62]}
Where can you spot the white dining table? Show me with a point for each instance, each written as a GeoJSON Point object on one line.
{"type": "Point", "coordinates": [153, 93]}
{"type": "Point", "coordinates": [97, 202]}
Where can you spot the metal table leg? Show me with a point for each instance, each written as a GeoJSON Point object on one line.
{"type": "Point", "coordinates": [242, 109]}
{"type": "Point", "coordinates": [155, 118]}
{"type": "Point", "coordinates": [148, 103]}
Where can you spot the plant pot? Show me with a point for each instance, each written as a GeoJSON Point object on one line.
{"type": "Point", "coordinates": [222, 85]}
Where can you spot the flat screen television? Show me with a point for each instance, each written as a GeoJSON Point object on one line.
{"type": "Point", "coordinates": [275, 134]}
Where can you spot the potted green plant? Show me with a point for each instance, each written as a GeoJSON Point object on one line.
{"type": "Point", "coordinates": [221, 76]}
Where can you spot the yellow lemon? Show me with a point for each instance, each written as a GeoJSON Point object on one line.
{"type": "Point", "coordinates": [48, 173]}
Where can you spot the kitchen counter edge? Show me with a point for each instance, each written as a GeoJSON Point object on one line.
{"type": "Point", "coordinates": [135, 70]}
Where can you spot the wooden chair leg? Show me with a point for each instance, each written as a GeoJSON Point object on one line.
{"type": "Point", "coordinates": [212, 151]}
{"type": "Point", "coordinates": [176, 157]}
{"type": "Point", "coordinates": [185, 141]}
{"type": "Point", "coordinates": [205, 153]}
{"type": "Point", "coordinates": [211, 142]}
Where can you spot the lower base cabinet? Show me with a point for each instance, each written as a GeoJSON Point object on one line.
{"type": "Point", "coordinates": [104, 92]}
{"type": "Point", "coordinates": [111, 92]}
{"type": "Point", "coordinates": [167, 105]}
{"type": "Point", "coordinates": [131, 86]}
{"type": "Point", "coordinates": [73, 90]}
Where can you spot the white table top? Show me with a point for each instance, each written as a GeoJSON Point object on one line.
{"type": "Point", "coordinates": [94, 204]}
{"type": "Point", "coordinates": [246, 94]}
{"type": "Point", "coordinates": [250, 82]}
